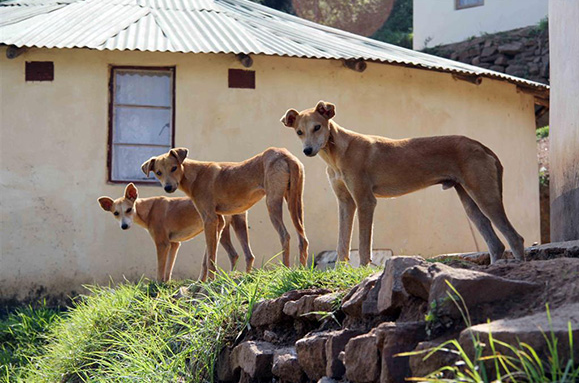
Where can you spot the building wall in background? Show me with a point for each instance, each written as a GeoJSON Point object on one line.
{"type": "Point", "coordinates": [564, 120]}
{"type": "Point", "coordinates": [439, 22]}
{"type": "Point", "coordinates": [55, 237]}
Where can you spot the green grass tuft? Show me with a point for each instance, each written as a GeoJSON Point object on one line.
{"type": "Point", "coordinates": [142, 332]}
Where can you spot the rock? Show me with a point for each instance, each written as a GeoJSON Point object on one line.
{"type": "Point", "coordinates": [497, 68]}
{"type": "Point", "coordinates": [307, 305]}
{"type": "Point", "coordinates": [488, 51]}
{"type": "Point", "coordinates": [396, 338]}
{"type": "Point", "coordinates": [286, 366]}
{"type": "Point", "coordinates": [335, 345]}
{"type": "Point", "coordinates": [223, 366]}
{"type": "Point", "coordinates": [254, 358]}
{"type": "Point", "coordinates": [501, 60]}
{"type": "Point", "coordinates": [511, 48]}
{"type": "Point", "coordinates": [417, 280]}
{"type": "Point", "coordinates": [420, 367]}
{"type": "Point", "coordinates": [362, 359]}
{"type": "Point", "coordinates": [515, 70]}
{"type": "Point", "coordinates": [474, 287]}
{"type": "Point", "coordinates": [533, 68]}
{"type": "Point", "coordinates": [270, 311]}
{"type": "Point", "coordinates": [311, 352]}
{"type": "Point", "coordinates": [476, 60]}
{"type": "Point", "coordinates": [530, 330]}
{"type": "Point", "coordinates": [352, 302]}
{"type": "Point", "coordinates": [392, 294]}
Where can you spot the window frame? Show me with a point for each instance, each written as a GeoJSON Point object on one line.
{"type": "Point", "coordinates": [112, 69]}
{"type": "Point", "coordinates": [458, 7]}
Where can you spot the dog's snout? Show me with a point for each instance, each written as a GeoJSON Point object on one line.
{"type": "Point", "coordinates": [124, 226]}
{"type": "Point", "coordinates": [168, 188]}
{"type": "Point", "coordinates": [308, 151]}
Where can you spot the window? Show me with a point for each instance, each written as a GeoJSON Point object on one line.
{"type": "Point", "coordinates": [462, 4]}
{"type": "Point", "coordinates": [141, 120]}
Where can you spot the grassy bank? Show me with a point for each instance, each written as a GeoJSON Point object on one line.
{"type": "Point", "coordinates": [143, 332]}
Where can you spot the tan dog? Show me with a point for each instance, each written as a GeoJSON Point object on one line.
{"type": "Point", "coordinates": [362, 167]}
{"type": "Point", "coordinates": [220, 188]}
{"type": "Point", "coordinates": [171, 221]}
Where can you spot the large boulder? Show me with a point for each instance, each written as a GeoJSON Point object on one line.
{"type": "Point", "coordinates": [473, 286]}
{"type": "Point", "coordinates": [311, 352]}
{"type": "Point", "coordinates": [530, 330]}
{"type": "Point", "coordinates": [254, 358]}
{"type": "Point", "coordinates": [392, 295]}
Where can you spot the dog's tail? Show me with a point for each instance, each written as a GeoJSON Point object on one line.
{"type": "Point", "coordinates": [295, 195]}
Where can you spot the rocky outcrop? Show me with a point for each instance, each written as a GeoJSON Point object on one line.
{"type": "Point", "coordinates": [410, 306]}
{"type": "Point", "coordinates": [521, 52]}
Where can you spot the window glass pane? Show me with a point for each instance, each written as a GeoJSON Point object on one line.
{"type": "Point", "coordinates": [142, 126]}
{"type": "Point", "coordinates": [127, 161]}
{"type": "Point", "coordinates": [469, 3]}
{"type": "Point", "coordinates": [143, 88]}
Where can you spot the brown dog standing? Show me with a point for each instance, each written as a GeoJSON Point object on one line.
{"type": "Point", "coordinates": [171, 221]}
{"type": "Point", "coordinates": [363, 167]}
{"type": "Point", "coordinates": [225, 188]}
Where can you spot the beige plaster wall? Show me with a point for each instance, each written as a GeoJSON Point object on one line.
{"type": "Point", "coordinates": [55, 237]}
{"type": "Point", "coordinates": [441, 23]}
{"type": "Point", "coordinates": [564, 119]}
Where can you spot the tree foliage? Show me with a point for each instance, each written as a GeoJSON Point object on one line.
{"type": "Point", "coordinates": [385, 20]}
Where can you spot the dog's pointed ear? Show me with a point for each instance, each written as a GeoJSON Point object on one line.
{"type": "Point", "coordinates": [131, 192]}
{"type": "Point", "coordinates": [289, 118]}
{"type": "Point", "coordinates": [180, 154]}
{"type": "Point", "coordinates": [106, 203]}
{"type": "Point", "coordinates": [326, 109]}
{"type": "Point", "coordinates": [148, 166]}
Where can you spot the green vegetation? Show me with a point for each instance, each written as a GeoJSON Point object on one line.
{"type": "Point", "coordinates": [396, 30]}
{"type": "Point", "coordinates": [542, 132]}
{"type": "Point", "coordinates": [143, 332]}
{"type": "Point", "coordinates": [498, 361]}
{"type": "Point", "coordinates": [22, 337]}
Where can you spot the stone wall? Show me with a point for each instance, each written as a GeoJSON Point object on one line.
{"type": "Point", "coordinates": [314, 335]}
{"type": "Point", "coordinates": [521, 52]}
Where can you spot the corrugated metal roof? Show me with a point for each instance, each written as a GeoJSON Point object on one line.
{"type": "Point", "coordinates": [202, 26]}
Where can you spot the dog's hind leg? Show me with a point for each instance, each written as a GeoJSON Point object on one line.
{"type": "Point", "coordinates": [228, 246]}
{"type": "Point", "coordinates": [482, 223]}
{"type": "Point", "coordinates": [239, 223]}
{"type": "Point", "coordinates": [490, 202]}
{"type": "Point", "coordinates": [170, 263]}
{"type": "Point", "coordinates": [275, 208]}
{"type": "Point", "coordinates": [294, 198]}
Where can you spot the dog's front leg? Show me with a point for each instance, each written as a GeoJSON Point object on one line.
{"type": "Point", "coordinates": [346, 211]}
{"type": "Point", "coordinates": [366, 206]}
{"type": "Point", "coordinates": [162, 252]}
{"type": "Point", "coordinates": [213, 224]}
{"type": "Point", "coordinates": [239, 223]}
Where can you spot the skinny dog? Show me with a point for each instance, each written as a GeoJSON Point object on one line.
{"type": "Point", "coordinates": [362, 167]}
{"type": "Point", "coordinates": [171, 221]}
{"type": "Point", "coordinates": [218, 188]}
